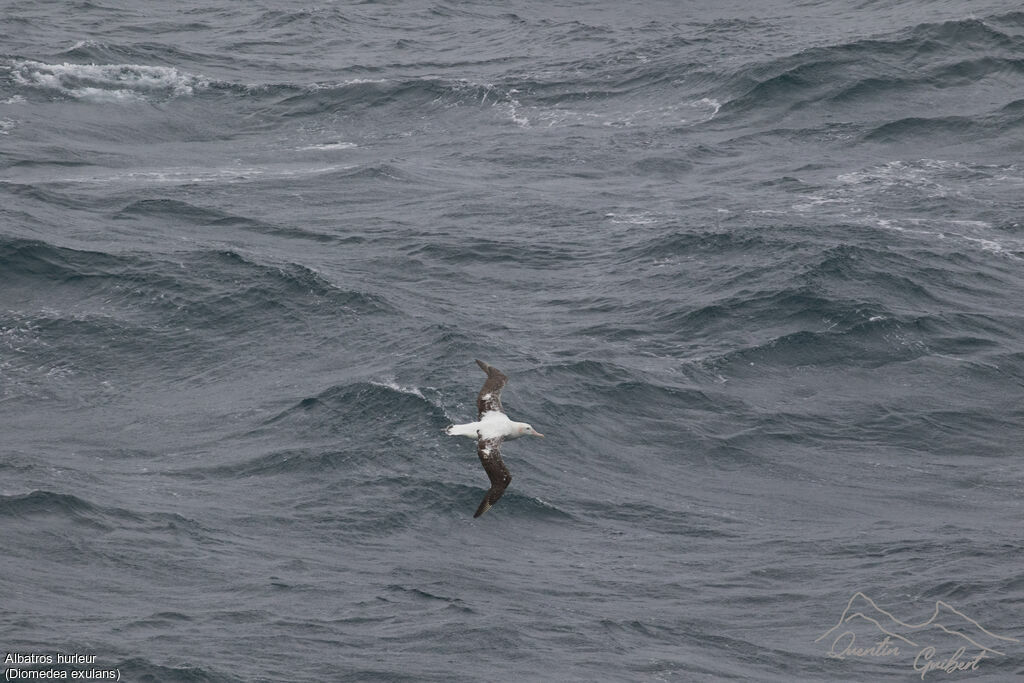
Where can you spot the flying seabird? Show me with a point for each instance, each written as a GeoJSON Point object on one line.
{"type": "Point", "coordinates": [490, 429]}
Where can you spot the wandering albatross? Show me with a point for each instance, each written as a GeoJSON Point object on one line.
{"type": "Point", "coordinates": [490, 429]}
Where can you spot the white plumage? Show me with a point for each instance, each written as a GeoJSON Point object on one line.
{"type": "Point", "coordinates": [492, 425]}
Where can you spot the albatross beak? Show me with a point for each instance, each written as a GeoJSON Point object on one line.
{"type": "Point", "coordinates": [538, 434]}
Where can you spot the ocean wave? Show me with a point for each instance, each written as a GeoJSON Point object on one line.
{"type": "Point", "coordinates": [45, 503]}
{"type": "Point", "coordinates": [27, 257]}
{"type": "Point", "coordinates": [354, 96]}
{"type": "Point", "coordinates": [667, 520]}
{"type": "Point", "coordinates": [377, 172]}
{"type": "Point", "coordinates": [677, 243]}
{"type": "Point", "coordinates": [34, 259]}
{"type": "Point", "coordinates": [856, 269]}
{"type": "Point", "coordinates": [140, 669]}
{"type": "Point", "coordinates": [587, 370]}
{"type": "Point", "coordinates": [869, 345]}
{"type": "Point", "coordinates": [370, 401]}
{"type": "Point", "coordinates": [842, 305]}
{"type": "Point", "coordinates": [118, 310]}
{"type": "Point", "coordinates": [930, 175]}
{"type": "Point", "coordinates": [233, 292]}
{"type": "Point", "coordinates": [519, 99]}
{"type": "Point", "coordinates": [928, 128]}
{"type": "Point", "coordinates": [96, 52]}
{"type": "Point", "coordinates": [287, 462]}
{"type": "Point", "coordinates": [873, 336]}
{"type": "Point", "coordinates": [558, 111]}
{"type": "Point", "coordinates": [485, 250]}
{"type": "Point", "coordinates": [327, 146]}
{"type": "Point", "coordinates": [105, 82]}
{"type": "Point", "coordinates": [178, 210]}
{"type": "Point", "coordinates": [317, 19]}
{"type": "Point", "coordinates": [82, 173]}
{"type": "Point", "coordinates": [47, 196]}
{"type": "Point", "coordinates": [588, 387]}
{"type": "Point", "coordinates": [69, 507]}
{"type": "Point", "coordinates": [889, 196]}
{"type": "Point", "coordinates": [426, 495]}
{"type": "Point", "coordinates": [873, 70]}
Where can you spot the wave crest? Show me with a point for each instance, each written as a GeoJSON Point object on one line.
{"type": "Point", "coordinates": [105, 82]}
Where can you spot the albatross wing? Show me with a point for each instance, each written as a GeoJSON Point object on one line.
{"type": "Point", "coordinates": [489, 397]}
{"type": "Point", "coordinates": [490, 455]}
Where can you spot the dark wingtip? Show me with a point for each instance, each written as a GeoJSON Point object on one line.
{"type": "Point", "coordinates": [483, 366]}
{"type": "Point", "coordinates": [485, 505]}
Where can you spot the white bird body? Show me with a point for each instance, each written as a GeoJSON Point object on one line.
{"type": "Point", "coordinates": [492, 425]}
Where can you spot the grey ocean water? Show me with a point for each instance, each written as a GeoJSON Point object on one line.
{"type": "Point", "coordinates": [755, 269]}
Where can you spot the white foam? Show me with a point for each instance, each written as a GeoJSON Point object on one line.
{"type": "Point", "coordinates": [813, 201]}
{"type": "Point", "coordinates": [968, 233]}
{"type": "Point", "coordinates": [84, 44]}
{"type": "Point", "coordinates": [927, 176]}
{"type": "Point", "coordinates": [105, 82]}
{"type": "Point", "coordinates": [680, 113]}
{"type": "Point", "coordinates": [316, 87]}
{"type": "Point", "coordinates": [640, 218]}
{"type": "Point", "coordinates": [886, 195]}
{"type": "Point", "coordinates": [499, 99]}
{"type": "Point", "coordinates": [328, 146]}
{"type": "Point", "coordinates": [394, 386]}
{"type": "Point", "coordinates": [921, 176]}
{"type": "Point", "coordinates": [194, 175]}
{"type": "Point", "coordinates": [514, 110]}
{"type": "Point", "coordinates": [710, 104]}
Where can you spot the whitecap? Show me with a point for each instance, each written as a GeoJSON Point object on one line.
{"type": "Point", "coordinates": [105, 82]}
{"type": "Point", "coordinates": [639, 218]}
{"type": "Point", "coordinates": [711, 105]}
{"type": "Point", "coordinates": [394, 386]}
{"type": "Point", "coordinates": [328, 146]}
{"type": "Point", "coordinates": [191, 175]}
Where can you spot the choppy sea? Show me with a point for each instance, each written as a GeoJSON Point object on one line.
{"type": "Point", "coordinates": [755, 269]}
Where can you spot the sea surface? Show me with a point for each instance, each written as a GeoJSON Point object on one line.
{"type": "Point", "coordinates": [756, 270]}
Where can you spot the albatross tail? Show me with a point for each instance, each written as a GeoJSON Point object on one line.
{"type": "Point", "coordinates": [468, 429]}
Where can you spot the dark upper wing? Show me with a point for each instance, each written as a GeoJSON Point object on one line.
{"type": "Point", "coordinates": [490, 455]}
{"type": "Point", "coordinates": [489, 397]}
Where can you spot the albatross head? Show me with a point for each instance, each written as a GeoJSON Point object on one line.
{"type": "Point", "coordinates": [525, 429]}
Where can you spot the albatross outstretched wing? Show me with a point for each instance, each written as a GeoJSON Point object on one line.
{"type": "Point", "coordinates": [489, 397]}
{"type": "Point", "coordinates": [490, 456]}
